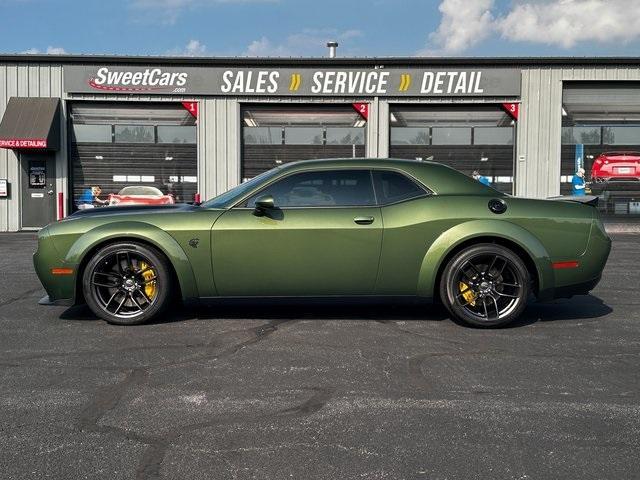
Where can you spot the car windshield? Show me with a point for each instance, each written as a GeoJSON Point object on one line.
{"type": "Point", "coordinates": [140, 190]}
{"type": "Point", "coordinates": [230, 197]}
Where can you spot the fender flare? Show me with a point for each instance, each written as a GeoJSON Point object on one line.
{"type": "Point", "coordinates": [144, 232]}
{"type": "Point", "coordinates": [463, 232]}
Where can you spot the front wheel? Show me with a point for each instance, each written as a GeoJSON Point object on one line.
{"type": "Point", "coordinates": [485, 285]}
{"type": "Point", "coordinates": [127, 283]}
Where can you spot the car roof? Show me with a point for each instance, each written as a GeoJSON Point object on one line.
{"type": "Point", "coordinates": [439, 178]}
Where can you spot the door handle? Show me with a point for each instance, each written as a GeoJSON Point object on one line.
{"type": "Point", "coordinates": [364, 220]}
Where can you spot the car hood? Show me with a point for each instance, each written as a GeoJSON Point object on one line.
{"type": "Point", "coordinates": [132, 209]}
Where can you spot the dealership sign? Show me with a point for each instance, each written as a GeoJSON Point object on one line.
{"type": "Point", "coordinates": [412, 82]}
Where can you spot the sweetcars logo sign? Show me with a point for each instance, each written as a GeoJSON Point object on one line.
{"type": "Point", "coordinates": [384, 82]}
{"type": "Point", "coordinates": [147, 80]}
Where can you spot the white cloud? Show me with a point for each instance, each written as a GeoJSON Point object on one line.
{"type": "Point", "coordinates": [49, 51]}
{"type": "Point", "coordinates": [193, 48]}
{"type": "Point", "coordinates": [168, 11]}
{"type": "Point", "coordinates": [563, 23]}
{"type": "Point", "coordinates": [568, 22]}
{"type": "Point", "coordinates": [464, 23]}
{"type": "Point", "coordinates": [309, 42]}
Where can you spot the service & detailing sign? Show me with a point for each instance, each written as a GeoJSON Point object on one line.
{"type": "Point", "coordinates": [396, 82]}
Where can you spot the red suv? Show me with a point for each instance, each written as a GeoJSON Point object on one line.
{"type": "Point", "coordinates": [616, 166]}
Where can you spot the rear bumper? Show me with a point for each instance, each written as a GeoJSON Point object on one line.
{"type": "Point", "coordinates": [577, 289]}
{"type": "Point", "coordinates": [584, 278]}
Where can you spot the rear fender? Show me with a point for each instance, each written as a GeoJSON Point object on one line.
{"type": "Point", "coordinates": [146, 233]}
{"type": "Point", "coordinates": [463, 232]}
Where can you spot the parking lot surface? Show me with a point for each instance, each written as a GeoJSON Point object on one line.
{"type": "Point", "coordinates": [367, 392]}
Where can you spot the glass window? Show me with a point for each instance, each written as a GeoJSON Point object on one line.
{"type": "Point", "coordinates": [176, 134]}
{"type": "Point", "coordinates": [345, 136]}
{"type": "Point", "coordinates": [409, 136]}
{"type": "Point", "coordinates": [622, 135]}
{"type": "Point", "coordinates": [394, 187]}
{"type": "Point", "coordinates": [321, 189]}
{"type": "Point", "coordinates": [262, 135]}
{"type": "Point", "coordinates": [589, 135]}
{"type": "Point", "coordinates": [303, 136]}
{"type": "Point", "coordinates": [134, 134]}
{"type": "Point", "coordinates": [451, 135]}
{"type": "Point", "coordinates": [493, 136]}
{"type": "Point", "coordinates": [92, 133]}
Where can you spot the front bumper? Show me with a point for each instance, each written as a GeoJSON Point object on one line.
{"type": "Point", "coordinates": [60, 289]}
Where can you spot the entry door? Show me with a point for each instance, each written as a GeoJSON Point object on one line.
{"type": "Point", "coordinates": [38, 189]}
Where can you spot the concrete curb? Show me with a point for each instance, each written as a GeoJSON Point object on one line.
{"type": "Point", "coordinates": [622, 227]}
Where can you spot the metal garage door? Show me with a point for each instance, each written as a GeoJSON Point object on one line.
{"type": "Point", "coordinates": [468, 138]}
{"type": "Point", "coordinates": [274, 135]}
{"type": "Point", "coordinates": [132, 145]}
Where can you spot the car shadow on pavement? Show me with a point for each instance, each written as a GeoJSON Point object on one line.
{"type": "Point", "coordinates": [580, 307]}
{"type": "Point", "coordinates": [583, 307]}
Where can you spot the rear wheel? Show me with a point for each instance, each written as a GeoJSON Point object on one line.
{"type": "Point", "coordinates": [485, 285]}
{"type": "Point", "coordinates": [127, 283]}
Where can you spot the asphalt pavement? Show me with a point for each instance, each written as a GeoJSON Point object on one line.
{"type": "Point", "coordinates": [359, 392]}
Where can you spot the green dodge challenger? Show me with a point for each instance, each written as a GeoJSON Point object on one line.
{"type": "Point", "coordinates": [330, 228]}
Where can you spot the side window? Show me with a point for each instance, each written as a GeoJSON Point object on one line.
{"type": "Point", "coordinates": [394, 187]}
{"type": "Point", "coordinates": [329, 188]}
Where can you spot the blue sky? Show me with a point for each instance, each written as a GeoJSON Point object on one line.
{"type": "Point", "coordinates": [301, 28]}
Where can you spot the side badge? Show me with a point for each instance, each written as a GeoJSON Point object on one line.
{"type": "Point", "coordinates": [194, 242]}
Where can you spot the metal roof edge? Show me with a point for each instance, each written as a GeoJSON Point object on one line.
{"type": "Point", "coordinates": [316, 61]}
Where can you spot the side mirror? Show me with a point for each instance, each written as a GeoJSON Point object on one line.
{"type": "Point", "coordinates": [263, 203]}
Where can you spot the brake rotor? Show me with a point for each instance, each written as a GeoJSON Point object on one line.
{"type": "Point", "coordinates": [467, 294]}
{"type": "Point", "coordinates": [148, 274]}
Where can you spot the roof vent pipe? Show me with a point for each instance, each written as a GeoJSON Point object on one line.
{"type": "Point", "coordinates": [332, 49]}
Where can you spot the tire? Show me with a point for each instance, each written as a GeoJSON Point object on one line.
{"type": "Point", "coordinates": [127, 283]}
{"type": "Point", "coordinates": [485, 285]}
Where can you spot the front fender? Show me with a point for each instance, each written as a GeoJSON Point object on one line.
{"type": "Point", "coordinates": [140, 231]}
{"type": "Point", "coordinates": [463, 232]}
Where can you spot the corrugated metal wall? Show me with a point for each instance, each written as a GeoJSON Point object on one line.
{"type": "Point", "coordinates": [539, 128]}
{"type": "Point", "coordinates": [19, 80]}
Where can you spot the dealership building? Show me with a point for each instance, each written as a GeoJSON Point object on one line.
{"type": "Point", "coordinates": [193, 127]}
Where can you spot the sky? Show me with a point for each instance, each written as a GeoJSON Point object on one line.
{"type": "Point", "coordinates": [301, 28]}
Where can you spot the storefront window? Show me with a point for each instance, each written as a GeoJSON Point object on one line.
{"type": "Point", "coordinates": [134, 134]}
{"type": "Point", "coordinates": [345, 136]}
{"type": "Point", "coordinates": [493, 136]}
{"type": "Point", "coordinates": [451, 136]}
{"type": "Point", "coordinates": [151, 158]}
{"type": "Point", "coordinates": [469, 138]}
{"type": "Point", "coordinates": [262, 135]}
{"type": "Point", "coordinates": [410, 136]}
{"type": "Point", "coordinates": [176, 134]}
{"type": "Point", "coordinates": [92, 133]}
{"type": "Point", "coordinates": [303, 136]}
{"type": "Point", "coordinates": [589, 135]}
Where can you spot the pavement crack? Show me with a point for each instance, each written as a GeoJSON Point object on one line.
{"type": "Point", "coordinates": [317, 401]}
{"type": "Point", "coordinates": [21, 297]}
{"type": "Point", "coordinates": [107, 398]}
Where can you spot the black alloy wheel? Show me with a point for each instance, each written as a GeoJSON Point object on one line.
{"type": "Point", "coordinates": [485, 285]}
{"type": "Point", "coordinates": [127, 283]}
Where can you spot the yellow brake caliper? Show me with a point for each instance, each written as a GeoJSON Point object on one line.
{"type": "Point", "coordinates": [467, 293]}
{"type": "Point", "coordinates": [148, 275]}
